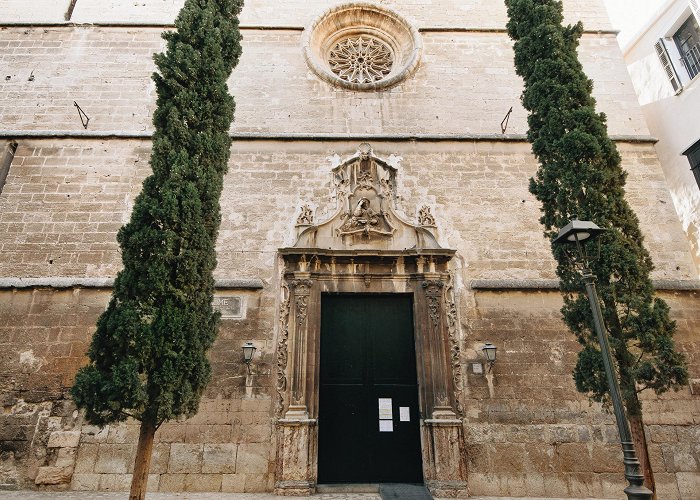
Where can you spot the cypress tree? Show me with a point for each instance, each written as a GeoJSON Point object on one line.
{"type": "Point", "coordinates": [580, 176]}
{"type": "Point", "coordinates": [147, 359]}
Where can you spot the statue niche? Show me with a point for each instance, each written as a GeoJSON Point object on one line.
{"type": "Point", "coordinates": [366, 215]}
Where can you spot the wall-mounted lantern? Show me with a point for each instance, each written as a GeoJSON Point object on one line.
{"type": "Point", "coordinates": [248, 353]}
{"type": "Point", "coordinates": [489, 351]}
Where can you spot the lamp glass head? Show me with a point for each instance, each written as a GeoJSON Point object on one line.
{"type": "Point", "coordinates": [489, 351]}
{"type": "Point", "coordinates": [248, 351]}
{"type": "Point", "coordinates": [578, 230]}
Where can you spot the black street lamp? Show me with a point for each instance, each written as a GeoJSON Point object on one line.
{"type": "Point", "coordinates": [248, 353]}
{"type": "Point", "coordinates": [489, 351]}
{"type": "Point", "coordinates": [576, 232]}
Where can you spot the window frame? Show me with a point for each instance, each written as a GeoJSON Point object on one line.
{"type": "Point", "coordinates": [693, 155]}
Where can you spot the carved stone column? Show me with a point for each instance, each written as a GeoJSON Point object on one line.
{"type": "Point", "coordinates": [296, 431]}
{"type": "Point", "coordinates": [444, 464]}
{"type": "Point", "coordinates": [441, 378]}
{"type": "Point", "coordinates": [301, 293]}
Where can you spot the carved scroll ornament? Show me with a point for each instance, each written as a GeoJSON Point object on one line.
{"type": "Point", "coordinates": [455, 350]}
{"type": "Point", "coordinates": [282, 349]}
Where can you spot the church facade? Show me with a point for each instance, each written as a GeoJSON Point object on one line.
{"type": "Point", "coordinates": [377, 232]}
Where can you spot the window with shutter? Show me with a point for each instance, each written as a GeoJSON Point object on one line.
{"type": "Point", "coordinates": [695, 7]}
{"type": "Point", "coordinates": [693, 154]}
{"type": "Point", "coordinates": [667, 65]}
{"type": "Point", "coordinates": [687, 40]}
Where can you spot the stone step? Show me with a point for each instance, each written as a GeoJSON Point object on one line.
{"type": "Point", "coordinates": [404, 492]}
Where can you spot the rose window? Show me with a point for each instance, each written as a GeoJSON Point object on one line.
{"type": "Point", "coordinates": [362, 46]}
{"type": "Point", "coordinates": [361, 59]}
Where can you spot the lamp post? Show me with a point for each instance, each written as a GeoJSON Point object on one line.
{"type": "Point", "coordinates": [576, 232]}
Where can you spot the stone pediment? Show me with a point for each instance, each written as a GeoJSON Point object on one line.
{"type": "Point", "coordinates": [366, 217]}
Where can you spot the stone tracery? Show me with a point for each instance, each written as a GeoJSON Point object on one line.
{"type": "Point", "coordinates": [361, 59]}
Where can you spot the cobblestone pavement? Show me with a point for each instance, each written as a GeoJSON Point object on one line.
{"type": "Point", "coordinates": [90, 495]}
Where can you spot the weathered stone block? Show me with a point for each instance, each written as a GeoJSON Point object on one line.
{"type": "Point", "coordinates": [233, 483]}
{"type": "Point", "coordinates": [85, 482]}
{"type": "Point", "coordinates": [115, 482]}
{"type": "Point", "coordinates": [171, 433]}
{"type": "Point", "coordinates": [185, 458]}
{"type": "Point", "coordinates": [87, 457]}
{"type": "Point", "coordinates": [257, 483]}
{"type": "Point", "coordinates": [51, 475]}
{"type": "Point", "coordinates": [507, 457]}
{"type": "Point", "coordinates": [662, 434]}
{"type": "Point", "coordinates": [666, 486]}
{"type": "Point", "coordinates": [556, 485]}
{"type": "Point", "coordinates": [202, 482]}
{"type": "Point", "coordinates": [605, 458]}
{"type": "Point", "coordinates": [538, 458]}
{"type": "Point", "coordinates": [486, 484]}
{"type": "Point", "coordinates": [256, 433]}
{"type": "Point", "coordinates": [94, 434]}
{"type": "Point", "coordinates": [219, 458]}
{"type": "Point", "coordinates": [160, 458]}
{"type": "Point", "coordinates": [252, 458]}
{"type": "Point", "coordinates": [207, 433]}
{"type": "Point", "coordinates": [114, 459]}
{"type": "Point", "coordinates": [123, 434]}
{"type": "Point", "coordinates": [65, 457]}
{"type": "Point", "coordinates": [172, 482]}
{"type": "Point", "coordinates": [688, 485]}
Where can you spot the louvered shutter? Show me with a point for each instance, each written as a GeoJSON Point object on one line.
{"type": "Point", "coordinates": [667, 65]}
{"type": "Point", "coordinates": [695, 7]}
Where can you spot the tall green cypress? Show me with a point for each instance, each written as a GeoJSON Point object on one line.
{"type": "Point", "coordinates": [148, 357]}
{"type": "Point", "coordinates": [580, 177]}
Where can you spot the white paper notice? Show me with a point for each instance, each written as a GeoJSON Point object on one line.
{"type": "Point", "coordinates": [386, 426]}
{"type": "Point", "coordinates": [404, 414]}
{"type": "Point", "coordinates": [385, 410]}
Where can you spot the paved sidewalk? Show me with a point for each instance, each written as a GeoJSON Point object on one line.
{"type": "Point", "coordinates": [90, 495]}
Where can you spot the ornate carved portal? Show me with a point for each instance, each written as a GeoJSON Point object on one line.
{"type": "Point", "coordinates": [367, 247]}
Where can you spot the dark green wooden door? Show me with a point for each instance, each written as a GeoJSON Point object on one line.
{"type": "Point", "coordinates": [368, 355]}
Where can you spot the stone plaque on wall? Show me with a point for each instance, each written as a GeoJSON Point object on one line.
{"type": "Point", "coordinates": [229, 306]}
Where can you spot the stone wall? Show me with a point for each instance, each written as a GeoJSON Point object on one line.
{"type": "Point", "coordinates": [528, 429]}
{"type": "Point", "coordinates": [525, 425]}
{"type": "Point", "coordinates": [445, 13]}
{"type": "Point", "coordinates": [69, 189]}
{"type": "Point", "coordinates": [64, 200]}
{"type": "Point", "coordinates": [44, 334]}
{"type": "Point", "coordinates": [464, 85]}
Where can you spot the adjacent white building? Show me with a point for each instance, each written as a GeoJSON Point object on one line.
{"type": "Point", "coordinates": [664, 62]}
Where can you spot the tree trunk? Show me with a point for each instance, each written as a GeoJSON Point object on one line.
{"type": "Point", "coordinates": [640, 444]}
{"type": "Point", "coordinates": [142, 465]}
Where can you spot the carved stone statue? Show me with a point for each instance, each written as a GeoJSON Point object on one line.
{"type": "Point", "coordinates": [306, 217]}
{"type": "Point", "coordinates": [363, 218]}
{"type": "Point", "coordinates": [425, 217]}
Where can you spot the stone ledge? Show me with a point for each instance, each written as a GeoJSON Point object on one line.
{"type": "Point", "coordinates": [243, 27]}
{"type": "Point", "coordinates": [76, 282]}
{"type": "Point", "coordinates": [253, 136]}
{"type": "Point", "coordinates": [514, 284]}
{"type": "Point", "coordinates": [130, 24]}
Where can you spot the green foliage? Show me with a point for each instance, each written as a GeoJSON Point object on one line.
{"type": "Point", "coordinates": [148, 355]}
{"type": "Point", "coordinates": [580, 177]}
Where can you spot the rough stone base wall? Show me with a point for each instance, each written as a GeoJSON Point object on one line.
{"type": "Point", "coordinates": [44, 335]}
{"type": "Point", "coordinates": [528, 429]}
{"type": "Point", "coordinates": [525, 425]}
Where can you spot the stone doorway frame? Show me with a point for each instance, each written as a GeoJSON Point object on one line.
{"type": "Point", "coordinates": [308, 273]}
